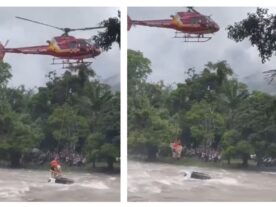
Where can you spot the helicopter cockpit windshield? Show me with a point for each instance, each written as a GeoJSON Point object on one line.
{"type": "Point", "coordinates": [209, 19]}
{"type": "Point", "coordinates": [88, 42]}
{"type": "Point", "coordinates": [83, 43]}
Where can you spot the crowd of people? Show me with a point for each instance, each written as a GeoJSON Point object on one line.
{"type": "Point", "coordinates": [67, 157]}
{"type": "Point", "coordinates": [206, 155]}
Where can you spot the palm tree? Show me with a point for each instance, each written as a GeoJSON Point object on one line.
{"type": "Point", "coordinates": [233, 93]}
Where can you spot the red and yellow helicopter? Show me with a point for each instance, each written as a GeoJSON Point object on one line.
{"type": "Point", "coordinates": [66, 49]}
{"type": "Point", "coordinates": [189, 25]}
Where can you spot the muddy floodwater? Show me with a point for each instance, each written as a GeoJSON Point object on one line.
{"type": "Point", "coordinates": [32, 185]}
{"type": "Point", "coordinates": [164, 182]}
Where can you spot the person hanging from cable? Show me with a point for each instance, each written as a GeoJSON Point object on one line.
{"type": "Point", "coordinates": [173, 146]}
{"type": "Point", "coordinates": [176, 148]}
{"type": "Point", "coordinates": [179, 148]}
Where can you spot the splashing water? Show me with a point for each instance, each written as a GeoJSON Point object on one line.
{"type": "Point", "coordinates": [32, 185]}
{"type": "Point", "coordinates": [163, 182]}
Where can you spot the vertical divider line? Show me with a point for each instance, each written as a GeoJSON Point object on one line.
{"type": "Point", "coordinates": [123, 86]}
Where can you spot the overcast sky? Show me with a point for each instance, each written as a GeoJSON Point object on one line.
{"type": "Point", "coordinates": [30, 70]}
{"type": "Point", "coordinates": [171, 57]}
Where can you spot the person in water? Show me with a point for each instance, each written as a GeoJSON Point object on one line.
{"type": "Point", "coordinates": [55, 168]}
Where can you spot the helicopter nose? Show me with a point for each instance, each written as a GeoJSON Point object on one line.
{"type": "Point", "coordinates": [216, 27]}
{"type": "Point", "coordinates": [98, 51]}
{"type": "Point", "coordinates": [95, 50]}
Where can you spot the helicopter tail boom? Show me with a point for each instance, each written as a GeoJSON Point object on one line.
{"type": "Point", "coordinates": [129, 23]}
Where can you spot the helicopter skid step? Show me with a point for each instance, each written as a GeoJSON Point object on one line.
{"type": "Point", "coordinates": [191, 37]}
{"type": "Point", "coordinates": [69, 64]}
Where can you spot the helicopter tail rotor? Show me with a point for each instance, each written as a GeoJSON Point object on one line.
{"type": "Point", "coordinates": [2, 51]}
{"type": "Point", "coordinates": [129, 23]}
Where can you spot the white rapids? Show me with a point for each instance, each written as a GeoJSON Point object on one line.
{"type": "Point", "coordinates": [164, 182]}
{"type": "Point", "coordinates": [33, 185]}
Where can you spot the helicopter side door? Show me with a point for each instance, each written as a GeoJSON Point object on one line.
{"type": "Point", "coordinates": [195, 20]}
{"type": "Point", "coordinates": [84, 46]}
{"type": "Point", "coordinates": [73, 46]}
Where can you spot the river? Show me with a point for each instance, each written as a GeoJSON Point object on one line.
{"type": "Point", "coordinates": [164, 182]}
{"type": "Point", "coordinates": [32, 185]}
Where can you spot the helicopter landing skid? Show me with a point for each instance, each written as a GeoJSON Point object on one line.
{"type": "Point", "coordinates": [69, 64]}
{"type": "Point", "coordinates": [191, 37]}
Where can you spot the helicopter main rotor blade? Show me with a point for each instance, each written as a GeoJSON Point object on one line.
{"type": "Point", "coordinates": [87, 28]}
{"type": "Point", "coordinates": [40, 23]}
{"type": "Point", "coordinates": [65, 30]}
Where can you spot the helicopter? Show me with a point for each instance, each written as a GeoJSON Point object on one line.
{"type": "Point", "coordinates": [66, 49]}
{"type": "Point", "coordinates": [189, 25]}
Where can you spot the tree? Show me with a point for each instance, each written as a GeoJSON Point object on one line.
{"type": "Point", "coordinates": [18, 135]}
{"type": "Point", "coordinates": [74, 112]}
{"type": "Point", "coordinates": [259, 28]}
{"type": "Point", "coordinates": [244, 149]}
{"type": "Point", "coordinates": [149, 128]}
{"type": "Point", "coordinates": [5, 74]}
{"type": "Point", "coordinates": [234, 146]}
{"type": "Point", "coordinates": [138, 70]}
{"type": "Point", "coordinates": [67, 126]}
{"type": "Point", "coordinates": [204, 122]}
{"type": "Point", "coordinates": [232, 95]}
{"type": "Point", "coordinates": [254, 122]}
{"type": "Point", "coordinates": [92, 147]}
{"type": "Point", "coordinates": [222, 70]}
{"type": "Point", "coordinates": [111, 34]}
{"type": "Point", "coordinates": [109, 152]}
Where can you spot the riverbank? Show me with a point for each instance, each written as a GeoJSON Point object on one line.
{"type": "Point", "coordinates": [193, 161]}
{"type": "Point", "coordinates": [100, 167]}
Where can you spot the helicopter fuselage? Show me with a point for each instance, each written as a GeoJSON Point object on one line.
{"type": "Point", "coordinates": [64, 47]}
{"type": "Point", "coordinates": [186, 22]}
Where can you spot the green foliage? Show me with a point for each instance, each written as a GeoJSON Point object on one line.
{"type": "Point", "coordinates": [151, 130]}
{"type": "Point", "coordinates": [92, 146]}
{"type": "Point", "coordinates": [17, 135]}
{"type": "Point", "coordinates": [230, 137]}
{"type": "Point", "coordinates": [228, 153]}
{"type": "Point", "coordinates": [211, 110]}
{"type": "Point", "coordinates": [204, 122]}
{"type": "Point", "coordinates": [74, 112]}
{"type": "Point", "coordinates": [259, 28]}
{"type": "Point", "coordinates": [271, 150]}
{"type": "Point", "coordinates": [109, 152]}
{"type": "Point", "coordinates": [67, 126]}
{"type": "Point", "coordinates": [244, 148]}
{"type": "Point", "coordinates": [111, 34]}
{"type": "Point", "coordinates": [138, 69]}
{"type": "Point", "coordinates": [5, 73]}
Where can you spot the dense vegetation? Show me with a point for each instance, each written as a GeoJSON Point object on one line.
{"type": "Point", "coordinates": [74, 112]}
{"type": "Point", "coordinates": [211, 110]}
